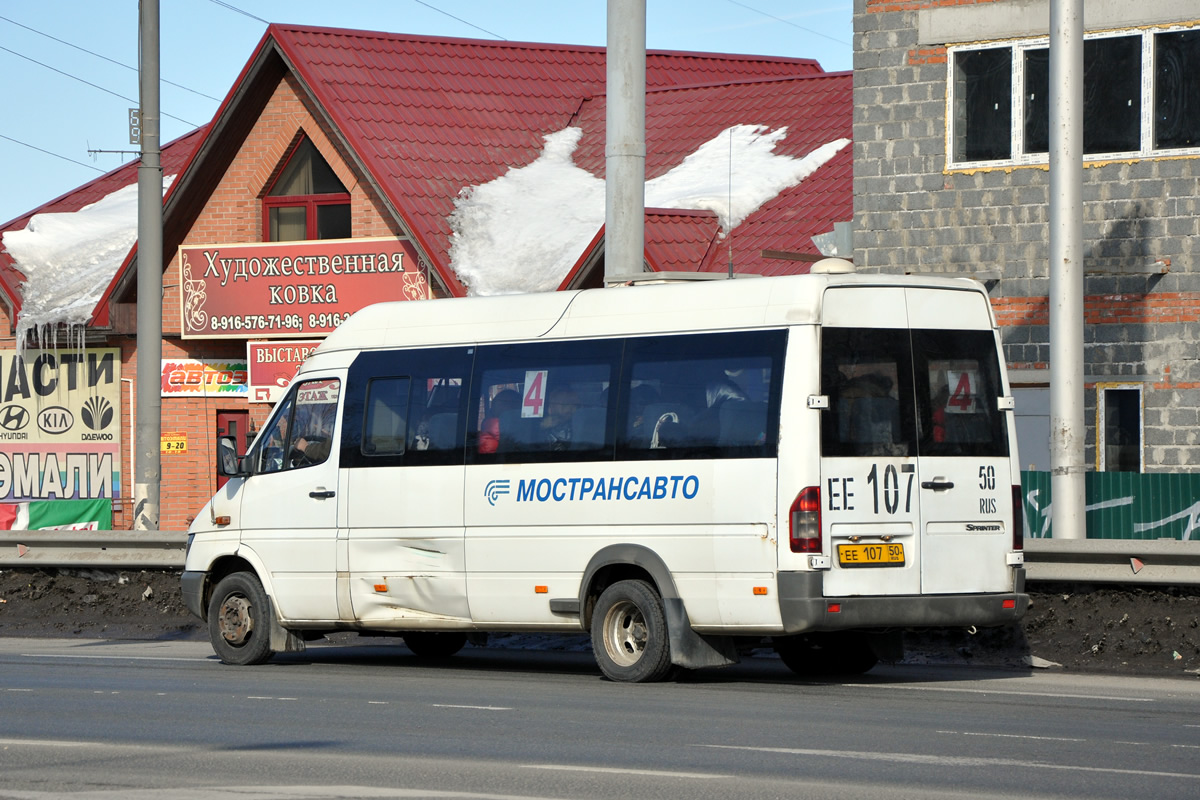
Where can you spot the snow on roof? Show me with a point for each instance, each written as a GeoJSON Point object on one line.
{"type": "Point", "coordinates": [68, 259]}
{"type": "Point", "coordinates": [540, 217]}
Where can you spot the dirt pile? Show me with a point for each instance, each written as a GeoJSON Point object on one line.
{"type": "Point", "coordinates": [1084, 628]}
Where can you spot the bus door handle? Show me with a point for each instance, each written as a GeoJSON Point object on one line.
{"type": "Point", "coordinates": [937, 484]}
{"type": "Point", "coordinates": [321, 494]}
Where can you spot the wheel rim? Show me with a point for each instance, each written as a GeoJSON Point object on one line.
{"type": "Point", "coordinates": [625, 633]}
{"type": "Point", "coordinates": [235, 621]}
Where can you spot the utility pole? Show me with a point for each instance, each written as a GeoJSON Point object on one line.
{"type": "Point", "coordinates": [1066, 271]}
{"type": "Point", "coordinates": [625, 142]}
{"type": "Point", "coordinates": [147, 482]}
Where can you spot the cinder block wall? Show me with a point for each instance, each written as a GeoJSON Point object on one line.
{"type": "Point", "coordinates": [913, 215]}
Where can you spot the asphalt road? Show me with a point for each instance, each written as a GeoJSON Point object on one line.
{"type": "Point", "coordinates": [98, 719]}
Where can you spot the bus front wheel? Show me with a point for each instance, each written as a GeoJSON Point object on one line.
{"type": "Point", "coordinates": [629, 633]}
{"type": "Point", "coordinates": [238, 625]}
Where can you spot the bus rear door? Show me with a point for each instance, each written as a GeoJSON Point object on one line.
{"type": "Point", "coordinates": [915, 486]}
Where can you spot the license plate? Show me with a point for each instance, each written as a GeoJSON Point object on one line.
{"type": "Point", "coordinates": [871, 555]}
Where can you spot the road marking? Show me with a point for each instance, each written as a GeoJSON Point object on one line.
{"type": "Point", "coordinates": [619, 771]}
{"type": "Point", "coordinates": [117, 658]}
{"type": "Point", "coordinates": [1013, 736]}
{"type": "Point", "coordinates": [894, 687]}
{"type": "Point", "coordinates": [477, 708]}
{"type": "Point", "coordinates": [952, 761]}
{"type": "Point", "coordinates": [264, 697]}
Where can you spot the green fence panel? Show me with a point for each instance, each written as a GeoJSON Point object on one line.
{"type": "Point", "coordinates": [1122, 505]}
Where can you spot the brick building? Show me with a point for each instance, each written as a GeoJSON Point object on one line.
{"type": "Point", "coordinates": [329, 178]}
{"type": "Point", "coordinates": [951, 175]}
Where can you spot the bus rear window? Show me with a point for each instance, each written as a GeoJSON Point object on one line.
{"type": "Point", "coordinates": [958, 382]}
{"type": "Point", "coordinates": [903, 393]}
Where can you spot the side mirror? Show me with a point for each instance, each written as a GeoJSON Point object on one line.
{"type": "Point", "coordinates": [228, 463]}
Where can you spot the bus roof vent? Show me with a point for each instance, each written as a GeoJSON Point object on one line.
{"type": "Point", "coordinates": [831, 266]}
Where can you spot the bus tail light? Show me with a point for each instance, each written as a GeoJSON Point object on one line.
{"type": "Point", "coordinates": [804, 521]}
{"type": "Point", "coordinates": [1018, 523]}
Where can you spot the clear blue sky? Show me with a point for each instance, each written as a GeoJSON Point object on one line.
{"type": "Point", "coordinates": [70, 65]}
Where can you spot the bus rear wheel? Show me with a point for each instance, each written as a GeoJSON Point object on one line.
{"type": "Point", "coordinates": [426, 644]}
{"type": "Point", "coordinates": [238, 625]}
{"type": "Point", "coordinates": [629, 633]}
{"type": "Point", "coordinates": [836, 653]}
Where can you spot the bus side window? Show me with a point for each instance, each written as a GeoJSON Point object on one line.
{"type": "Point", "coordinates": [542, 402]}
{"type": "Point", "coordinates": [703, 396]}
{"type": "Point", "coordinates": [384, 430]}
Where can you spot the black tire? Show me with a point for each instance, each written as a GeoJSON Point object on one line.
{"type": "Point", "coordinates": [816, 654]}
{"type": "Point", "coordinates": [427, 644]}
{"type": "Point", "coordinates": [629, 633]}
{"type": "Point", "coordinates": [238, 622]}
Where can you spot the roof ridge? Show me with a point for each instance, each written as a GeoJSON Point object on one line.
{"type": "Point", "coordinates": [531, 45]}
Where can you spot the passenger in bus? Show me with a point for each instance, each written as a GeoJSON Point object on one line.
{"type": "Point", "coordinates": [870, 412]}
{"type": "Point", "coordinates": [641, 398]}
{"type": "Point", "coordinates": [504, 405]}
{"type": "Point", "coordinates": [722, 387]}
{"type": "Point", "coordinates": [556, 423]}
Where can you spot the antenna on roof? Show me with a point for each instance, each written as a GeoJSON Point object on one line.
{"type": "Point", "coordinates": [729, 201]}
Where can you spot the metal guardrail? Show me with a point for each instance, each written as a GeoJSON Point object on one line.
{"type": "Point", "coordinates": [112, 549]}
{"type": "Point", "coordinates": [1123, 561]}
{"type": "Point", "coordinates": [1127, 561]}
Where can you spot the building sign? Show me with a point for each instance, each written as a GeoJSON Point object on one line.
{"type": "Point", "coordinates": [60, 424]}
{"type": "Point", "coordinates": [274, 289]}
{"type": "Point", "coordinates": [196, 377]}
{"type": "Point", "coordinates": [272, 366]}
{"type": "Point", "coordinates": [174, 442]}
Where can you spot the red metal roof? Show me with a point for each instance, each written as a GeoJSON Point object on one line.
{"type": "Point", "coordinates": [815, 110]}
{"type": "Point", "coordinates": [430, 116]}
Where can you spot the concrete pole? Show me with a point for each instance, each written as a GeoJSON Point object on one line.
{"type": "Point", "coordinates": [1067, 429]}
{"type": "Point", "coordinates": [625, 141]}
{"type": "Point", "coordinates": [148, 434]}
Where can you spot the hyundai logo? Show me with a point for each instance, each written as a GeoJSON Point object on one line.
{"type": "Point", "coordinates": [14, 417]}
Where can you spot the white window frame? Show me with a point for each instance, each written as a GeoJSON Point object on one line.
{"type": "Point", "coordinates": [1018, 156]}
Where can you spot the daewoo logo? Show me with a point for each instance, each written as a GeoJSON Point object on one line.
{"type": "Point", "coordinates": [14, 418]}
{"type": "Point", "coordinates": [97, 413]}
{"type": "Point", "coordinates": [55, 419]}
{"type": "Point", "coordinates": [494, 489]}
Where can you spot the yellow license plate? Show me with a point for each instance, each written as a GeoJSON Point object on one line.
{"type": "Point", "coordinates": [883, 554]}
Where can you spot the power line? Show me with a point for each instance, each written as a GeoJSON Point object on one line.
{"type": "Point", "coordinates": [787, 22]}
{"type": "Point", "coordinates": [89, 83]}
{"type": "Point", "coordinates": [47, 152]}
{"type": "Point", "coordinates": [232, 7]}
{"type": "Point", "coordinates": [97, 55]}
{"type": "Point", "coordinates": [459, 19]}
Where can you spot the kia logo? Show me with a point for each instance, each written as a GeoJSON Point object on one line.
{"type": "Point", "coordinates": [55, 419]}
{"type": "Point", "coordinates": [14, 417]}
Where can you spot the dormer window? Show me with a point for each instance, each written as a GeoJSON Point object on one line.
{"type": "Point", "coordinates": [307, 201]}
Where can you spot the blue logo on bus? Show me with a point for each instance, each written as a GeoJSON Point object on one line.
{"type": "Point", "coordinates": [494, 489]}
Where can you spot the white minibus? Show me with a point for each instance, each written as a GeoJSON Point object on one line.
{"type": "Point", "coordinates": [683, 470]}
